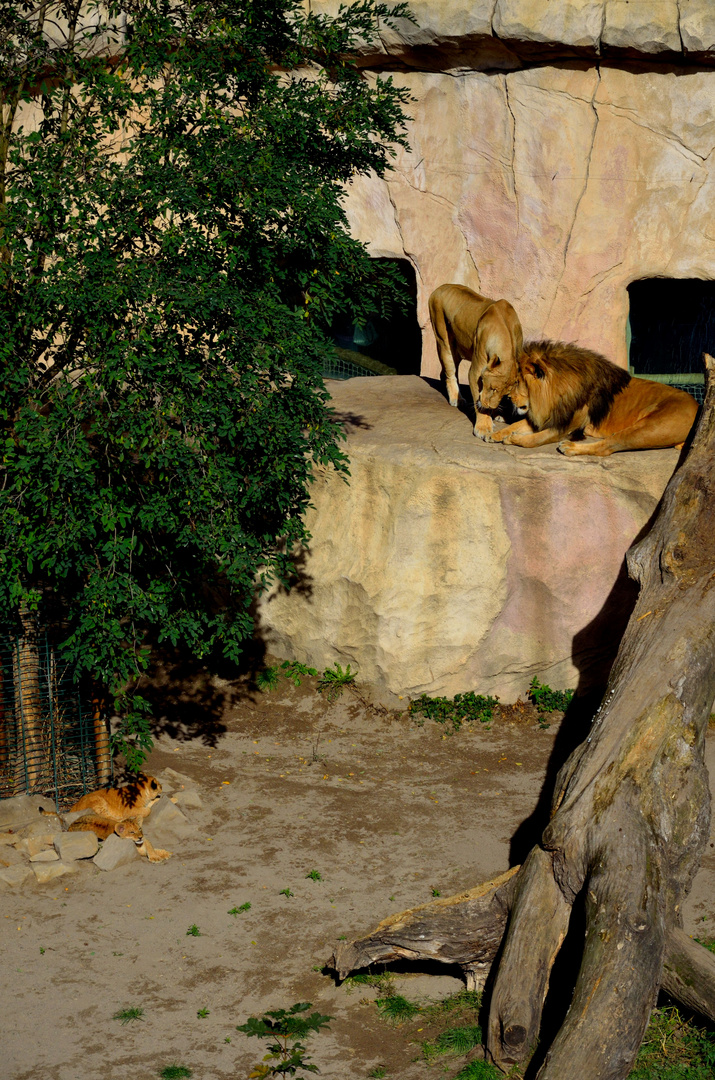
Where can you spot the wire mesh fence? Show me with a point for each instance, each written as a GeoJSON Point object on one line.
{"type": "Point", "coordinates": [50, 743]}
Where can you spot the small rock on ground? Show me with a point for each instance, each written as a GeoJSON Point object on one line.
{"type": "Point", "coordinates": [45, 872]}
{"type": "Point", "coordinates": [116, 852]}
{"type": "Point", "coordinates": [166, 825]}
{"type": "Point", "coordinates": [76, 845]}
{"type": "Point", "coordinates": [15, 875]}
{"type": "Point", "coordinates": [45, 856]}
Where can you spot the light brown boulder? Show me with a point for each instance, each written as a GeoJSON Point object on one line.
{"type": "Point", "coordinates": [76, 845]}
{"type": "Point", "coordinates": [14, 876]}
{"type": "Point", "coordinates": [48, 855]}
{"type": "Point", "coordinates": [447, 564]}
{"type": "Point", "coordinates": [116, 852]}
{"type": "Point", "coordinates": [166, 824]}
{"type": "Point", "coordinates": [46, 872]}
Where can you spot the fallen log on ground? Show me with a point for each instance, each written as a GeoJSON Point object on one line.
{"type": "Point", "coordinates": [630, 819]}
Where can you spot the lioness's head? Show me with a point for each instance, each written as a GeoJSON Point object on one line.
{"type": "Point", "coordinates": [497, 378]}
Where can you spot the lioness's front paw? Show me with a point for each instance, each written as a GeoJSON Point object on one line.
{"type": "Point", "coordinates": [568, 447]}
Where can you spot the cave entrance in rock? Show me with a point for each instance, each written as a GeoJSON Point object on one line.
{"type": "Point", "coordinates": [671, 324]}
{"type": "Point", "coordinates": [391, 346]}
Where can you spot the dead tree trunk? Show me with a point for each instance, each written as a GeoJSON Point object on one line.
{"type": "Point", "coordinates": [630, 819]}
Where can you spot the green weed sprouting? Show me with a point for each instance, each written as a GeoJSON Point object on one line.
{"type": "Point", "coordinates": [548, 700]}
{"type": "Point", "coordinates": [290, 669]}
{"type": "Point", "coordinates": [288, 1029]}
{"type": "Point", "coordinates": [464, 708]}
{"type": "Point", "coordinates": [334, 680]}
{"type": "Point", "coordinates": [193, 931]}
{"type": "Point", "coordinates": [314, 875]}
{"type": "Point", "coordinates": [240, 910]}
{"type": "Point", "coordinates": [175, 1072]}
{"type": "Point", "coordinates": [134, 1012]}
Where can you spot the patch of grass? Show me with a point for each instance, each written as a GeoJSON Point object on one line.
{"type": "Point", "coordinates": [203, 1013]}
{"type": "Point", "coordinates": [675, 1048]}
{"type": "Point", "coordinates": [175, 1072]}
{"type": "Point", "coordinates": [42, 951]}
{"type": "Point", "coordinates": [240, 910]}
{"type": "Point", "coordinates": [334, 680]}
{"type": "Point", "coordinates": [456, 1040]}
{"type": "Point", "coordinates": [465, 708]}
{"type": "Point", "coordinates": [286, 892]}
{"type": "Point", "coordinates": [314, 875]}
{"type": "Point", "coordinates": [134, 1012]}
{"type": "Point", "coordinates": [479, 1070]}
{"type": "Point", "coordinates": [193, 931]}
{"type": "Point", "coordinates": [378, 1072]}
{"type": "Point", "coordinates": [381, 982]}
{"type": "Point", "coordinates": [267, 679]}
{"type": "Point", "coordinates": [707, 943]}
{"type": "Point", "coordinates": [397, 1009]}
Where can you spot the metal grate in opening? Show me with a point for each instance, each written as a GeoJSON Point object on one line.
{"type": "Point", "coordinates": [49, 744]}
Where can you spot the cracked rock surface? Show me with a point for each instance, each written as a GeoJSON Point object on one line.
{"type": "Point", "coordinates": [447, 564]}
{"type": "Point", "coordinates": [554, 187]}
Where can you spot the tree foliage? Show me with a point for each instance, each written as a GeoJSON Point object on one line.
{"type": "Point", "coordinates": [173, 248]}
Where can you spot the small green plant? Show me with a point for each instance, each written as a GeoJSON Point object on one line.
{"type": "Point", "coordinates": [227, 1039]}
{"type": "Point", "coordinates": [193, 931]}
{"type": "Point", "coordinates": [175, 1072]}
{"type": "Point", "coordinates": [203, 1013]}
{"type": "Point", "coordinates": [42, 951]}
{"type": "Point", "coordinates": [240, 910]}
{"type": "Point", "coordinates": [548, 700]}
{"type": "Point", "coordinates": [288, 1028]}
{"type": "Point", "coordinates": [396, 1008]}
{"type": "Point", "coordinates": [334, 680]}
{"type": "Point", "coordinates": [286, 892]}
{"type": "Point", "coordinates": [436, 892]}
{"type": "Point", "coordinates": [378, 1072]}
{"type": "Point", "coordinates": [707, 943]}
{"type": "Point", "coordinates": [314, 875]}
{"type": "Point", "coordinates": [267, 679]}
{"type": "Point", "coordinates": [295, 671]}
{"type": "Point", "coordinates": [134, 1012]}
{"type": "Point", "coordinates": [465, 708]}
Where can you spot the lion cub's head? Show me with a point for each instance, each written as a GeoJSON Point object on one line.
{"type": "Point", "coordinates": [130, 829]}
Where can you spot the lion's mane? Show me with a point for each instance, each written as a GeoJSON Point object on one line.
{"type": "Point", "coordinates": [573, 378]}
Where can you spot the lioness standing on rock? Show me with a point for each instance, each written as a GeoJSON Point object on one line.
{"type": "Point", "coordinates": [487, 334]}
{"type": "Point", "coordinates": [566, 390]}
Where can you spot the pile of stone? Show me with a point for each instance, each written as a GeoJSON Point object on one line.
{"type": "Point", "coordinates": [35, 847]}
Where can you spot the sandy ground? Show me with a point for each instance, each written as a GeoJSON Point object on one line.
{"type": "Point", "coordinates": [384, 810]}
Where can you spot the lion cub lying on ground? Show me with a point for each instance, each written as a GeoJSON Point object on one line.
{"type": "Point", "coordinates": [565, 390]}
{"type": "Point", "coordinates": [120, 811]}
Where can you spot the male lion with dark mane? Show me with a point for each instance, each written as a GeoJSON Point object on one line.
{"type": "Point", "coordinates": [486, 333]}
{"type": "Point", "coordinates": [566, 390]}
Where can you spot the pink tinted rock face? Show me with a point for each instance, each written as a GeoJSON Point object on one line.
{"type": "Point", "coordinates": [554, 187]}
{"type": "Point", "coordinates": [447, 564]}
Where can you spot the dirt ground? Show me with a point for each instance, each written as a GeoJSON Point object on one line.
{"type": "Point", "coordinates": [384, 810]}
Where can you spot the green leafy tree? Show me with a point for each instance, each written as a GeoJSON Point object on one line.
{"type": "Point", "coordinates": [173, 251]}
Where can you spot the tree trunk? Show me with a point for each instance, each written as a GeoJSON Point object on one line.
{"type": "Point", "coordinates": [630, 819]}
{"type": "Point", "coordinates": [32, 763]}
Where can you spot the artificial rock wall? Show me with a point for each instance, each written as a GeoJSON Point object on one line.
{"type": "Point", "coordinates": [559, 150]}
{"type": "Point", "coordinates": [447, 564]}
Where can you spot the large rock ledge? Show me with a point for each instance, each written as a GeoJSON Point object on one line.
{"type": "Point", "coordinates": [503, 34]}
{"type": "Point", "coordinates": [448, 565]}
